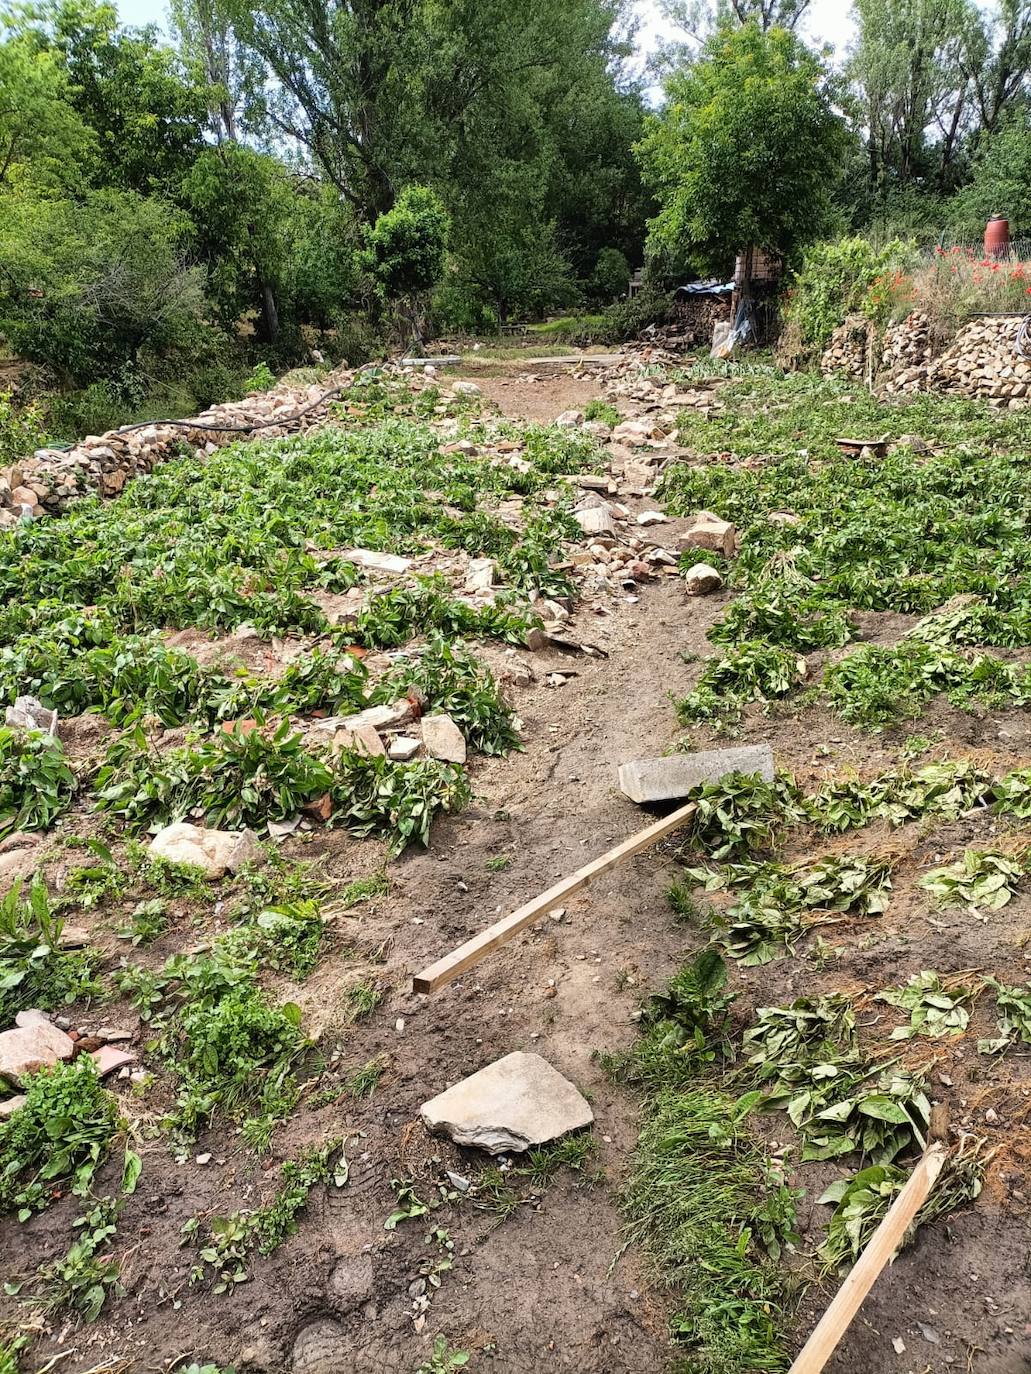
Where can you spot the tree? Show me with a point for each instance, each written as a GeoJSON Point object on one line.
{"type": "Point", "coordinates": [404, 250]}
{"type": "Point", "coordinates": [745, 152]}
{"type": "Point", "coordinates": [1001, 183]}
{"type": "Point", "coordinates": [39, 129]}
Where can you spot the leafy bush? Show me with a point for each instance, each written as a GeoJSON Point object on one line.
{"type": "Point", "coordinates": [451, 680]}
{"type": "Point", "coordinates": [61, 1132]}
{"type": "Point", "coordinates": [36, 784]}
{"type": "Point", "coordinates": [834, 280]}
{"type": "Point", "coordinates": [627, 319]}
{"type": "Point", "coordinates": [21, 430]}
{"type": "Point", "coordinates": [374, 796]}
{"type": "Point", "coordinates": [35, 972]}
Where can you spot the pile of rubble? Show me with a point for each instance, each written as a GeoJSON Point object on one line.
{"type": "Point", "coordinates": [51, 478]}
{"type": "Point", "coordinates": [906, 352]}
{"type": "Point", "coordinates": [983, 361]}
{"type": "Point", "coordinates": [847, 350]}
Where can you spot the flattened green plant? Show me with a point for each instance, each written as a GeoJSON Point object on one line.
{"type": "Point", "coordinates": [935, 1007]}
{"type": "Point", "coordinates": [981, 879]}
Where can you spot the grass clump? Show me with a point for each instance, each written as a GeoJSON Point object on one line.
{"type": "Point", "coordinates": [709, 1208]}
{"type": "Point", "coordinates": [362, 998]}
{"type": "Point", "coordinates": [602, 411]}
{"type": "Point", "coordinates": [57, 1138]}
{"type": "Point", "coordinates": [35, 972]}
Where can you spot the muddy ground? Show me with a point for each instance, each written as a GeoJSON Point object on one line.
{"type": "Point", "coordinates": [552, 1286]}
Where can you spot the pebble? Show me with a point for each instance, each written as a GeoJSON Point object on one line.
{"type": "Point", "coordinates": [203, 1159]}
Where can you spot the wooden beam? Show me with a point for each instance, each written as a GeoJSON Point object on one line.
{"type": "Point", "coordinates": [453, 965]}
{"type": "Point", "coordinates": [864, 1273]}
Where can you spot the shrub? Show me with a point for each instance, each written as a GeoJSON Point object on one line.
{"type": "Point", "coordinates": [834, 280]}
{"type": "Point", "coordinates": [21, 430]}
{"type": "Point", "coordinates": [627, 319]}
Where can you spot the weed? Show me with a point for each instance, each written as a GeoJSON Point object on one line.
{"type": "Point", "coordinates": [226, 1249]}
{"type": "Point", "coordinates": [362, 999]}
{"type": "Point", "coordinates": [602, 411]}
{"type": "Point", "coordinates": [836, 1113]}
{"type": "Point", "coordinates": [35, 972]}
{"type": "Point", "coordinates": [147, 923]}
{"type": "Point", "coordinates": [286, 938]}
{"type": "Point", "coordinates": [409, 1204]}
{"type": "Point", "coordinates": [705, 1203]}
{"type": "Point", "coordinates": [443, 1359]}
{"type": "Point", "coordinates": [497, 863]}
{"type": "Point", "coordinates": [373, 796]}
{"type": "Point", "coordinates": [572, 1152]}
{"type": "Point", "coordinates": [451, 680]}
{"type": "Point", "coordinates": [84, 1278]}
{"type": "Point", "coordinates": [935, 1007]}
{"type": "Point", "coordinates": [37, 1160]}
{"type": "Point", "coordinates": [36, 784]}
{"type": "Point", "coordinates": [980, 879]}
{"type": "Point", "coordinates": [1014, 1007]}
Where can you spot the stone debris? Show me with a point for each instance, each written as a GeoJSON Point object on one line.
{"type": "Point", "coordinates": [28, 713]}
{"type": "Point", "coordinates": [361, 739]}
{"type": "Point", "coordinates": [9, 1105]}
{"type": "Point", "coordinates": [381, 717]}
{"type": "Point", "coordinates": [402, 748]}
{"type": "Point", "coordinates": [665, 779]}
{"type": "Point", "coordinates": [652, 517]}
{"type": "Point", "coordinates": [392, 564]}
{"type": "Point", "coordinates": [216, 852]}
{"type": "Point", "coordinates": [442, 739]}
{"type": "Point", "coordinates": [596, 519]}
{"type": "Point", "coordinates": [34, 1046]}
{"type": "Point", "coordinates": [701, 579]}
{"type": "Point", "coordinates": [481, 575]}
{"type": "Point", "coordinates": [109, 1058]}
{"type": "Point", "coordinates": [708, 531]}
{"type": "Point", "coordinates": [465, 389]}
{"type": "Point", "coordinates": [514, 1104]}
{"type": "Point", "coordinates": [569, 419]}
{"type": "Point", "coordinates": [19, 859]}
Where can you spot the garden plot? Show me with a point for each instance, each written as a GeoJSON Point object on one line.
{"type": "Point", "coordinates": [283, 644]}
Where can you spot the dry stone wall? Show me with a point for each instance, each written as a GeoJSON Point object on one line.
{"type": "Point", "coordinates": [846, 351]}
{"type": "Point", "coordinates": [102, 464]}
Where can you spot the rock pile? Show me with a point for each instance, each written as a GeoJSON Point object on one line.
{"type": "Point", "coordinates": [906, 352]}
{"type": "Point", "coordinates": [846, 352]}
{"type": "Point", "coordinates": [983, 361]}
{"type": "Point", "coordinates": [51, 478]}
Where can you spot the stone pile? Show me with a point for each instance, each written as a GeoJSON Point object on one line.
{"type": "Point", "coordinates": [846, 352]}
{"type": "Point", "coordinates": [906, 353]}
{"type": "Point", "coordinates": [983, 361]}
{"type": "Point", "coordinates": [51, 478]}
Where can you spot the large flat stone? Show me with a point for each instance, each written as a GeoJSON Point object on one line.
{"type": "Point", "coordinates": [31, 1047]}
{"type": "Point", "coordinates": [513, 1104]}
{"type": "Point", "coordinates": [443, 739]}
{"type": "Point", "coordinates": [658, 780]}
{"type": "Point", "coordinates": [216, 852]}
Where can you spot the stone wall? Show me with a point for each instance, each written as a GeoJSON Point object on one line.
{"type": "Point", "coordinates": [51, 478]}
{"type": "Point", "coordinates": [846, 351]}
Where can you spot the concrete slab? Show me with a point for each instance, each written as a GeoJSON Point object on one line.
{"type": "Point", "coordinates": [666, 779]}
{"type": "Point", "coordinates": [513, 1104]}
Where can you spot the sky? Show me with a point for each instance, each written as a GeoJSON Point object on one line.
{"type": "Point", "coordinates": [828, 20]}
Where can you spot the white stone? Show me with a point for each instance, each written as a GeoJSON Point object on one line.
{"type": "Point", "coordinates": [390, 717]}
{"type": "Point", "coordinates": [31, 1047]}
{"type": "Point", "coordinates": [652, 517]}
{"type": "Point", "coordinates": [360, 739]}
{"type": "Point", "coordinates": [465, 389]}
{"type": "Point", "coordinates": [702, 578]}
{"type": "Point", "coordinates": [28, 713]}
{"type": "Point", "coordinates": [442, 739]}
{"type": "Point", "coordinates": [514, 1104]}
{"type": "Point", "coordinates": [569, 419]}
{"type": "Point", "coordinates": [215, 852]}
{"type": "Point", "coordinates": [403, 747]}
{"type": "Point", "coordinates": [391, 563]}
{"type": "Point", "coordinates": [708, 531]}
{"type": "Point", "coordinates": [595, 519]}
{"type": "Point", "coordinates": [480, 574]}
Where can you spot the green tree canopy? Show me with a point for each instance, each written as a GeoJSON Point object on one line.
{"type": "Point", "coordinates": [745, 152]}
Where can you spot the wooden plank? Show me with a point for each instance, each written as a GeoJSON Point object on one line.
{"type": "Point", "coordinates": [864, 1273]}
{"type": "Point", "coordinates": [452, 965]}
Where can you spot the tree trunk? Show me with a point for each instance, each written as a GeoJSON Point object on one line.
{"type": "Point", "coordinates": [269, 313]}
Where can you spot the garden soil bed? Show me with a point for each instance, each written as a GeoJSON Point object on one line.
{"type": "Point", "coordinates": [552, 1287]}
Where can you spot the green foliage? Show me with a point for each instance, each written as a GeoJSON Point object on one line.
{"type": "Point", "coordinates": [1014, 1006]}
{"type": "Point", "coordinates": [602, 411]}
{"type": "Point", "coordinates": [979, 880]}
{"type": "Point", "coordinates": [711, 1210]}
{"type": "Point", "coordinates": [35, 972]}
{"type": "Point", "coordinates": [36, 784]}
{"type": "Point", "coordinates": [404, 249]}
{"type": "Point", "coordinates": [83, 1278]}
{"type": "Point", "coordinates": [753, 671]}
{"type": "Point", "coordinates": [935, 1008]}
{"type": "Point", "coordinates": [59, 1136]}
{"type": "Point", "coordinates": [443, 1359]}
{"type": "Point", "coordinates": [833, 280]}
{"type": "Point", "coordinates": [373, 796]}
{"type": "Point", "coordinates": [452, 681]}
{"type": "Point", "coordinates": [741, 813]}
{"type": "Point", "coordinates": [836, 1110]}
{"type": "Point", "coordinates": [287, 938]}
{"type": "Point", "coordinates": [21, 430]}
{"type": "Point", "coordinates": [226, 1250]}
{"type": "Point", "coordinates": [684, 1028]}
{"type": "Point", "coordinates": [753, 100]}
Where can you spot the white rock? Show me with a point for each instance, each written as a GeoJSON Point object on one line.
{"type": "Point", "coordinates": [702, 578]}
{"type": "Point", "coordinates": [708, 531]}
{"type": "Point", "coordinates": [595, 519]}
{"type": "Point", "coordinates": [442, 739]}
{"type": "Point", "coordinates": [361, 739]}
{"type": "Point", "coordinates": [514, 1104]}
{"type": "Point", "coordinates": [569, 419]}
{"type": "Point", "coordinates": [391, 563]}
{"type": "Point", "coordinates": [652, 517]}
{"type": "Point", "coordinates": [480, 575]}
{"type": "Point", "coordinates": [465, 389]}
{"type": "Point", "coordinates": [390, 717]}
{"type": "Point", "coordinates": [28, 713]}
{"type": "Point", "coordinates": [216, 852]}
{"type": "Point", "coordinates": [19, 857]}
{"type": "Point", "coordinates": [403, 747]}
{"type": "Point", "coordinates": [31, 1047]}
